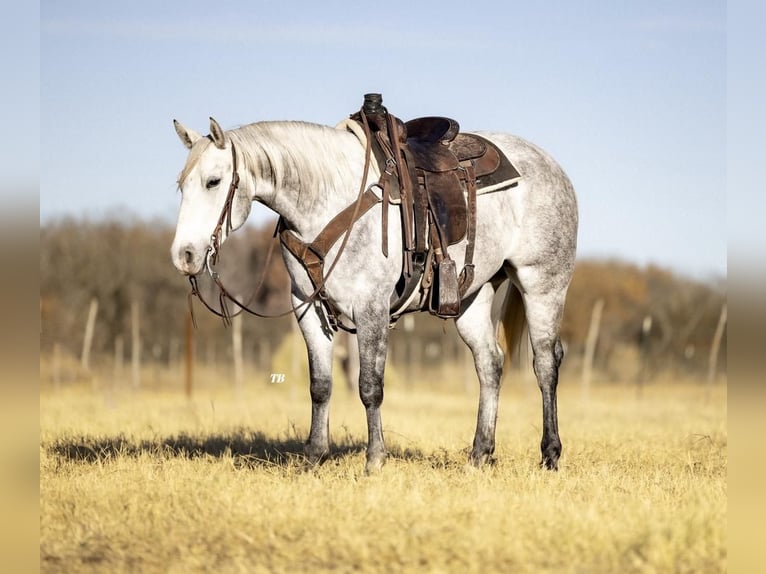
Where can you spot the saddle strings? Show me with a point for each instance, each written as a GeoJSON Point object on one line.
{"type": "Point", "coordinates": [224, 295]}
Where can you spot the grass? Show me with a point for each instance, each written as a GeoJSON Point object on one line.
{"type": "Point", "coordinates": [153, 482]}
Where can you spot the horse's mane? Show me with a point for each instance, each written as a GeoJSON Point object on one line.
{"type": "Point", "coordinates": [293, 154]}
{"type": "Point", "coordinates": [299, 155]}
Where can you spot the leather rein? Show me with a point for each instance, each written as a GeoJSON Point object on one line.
{"type": "Point", "coordinates": [318, 297]}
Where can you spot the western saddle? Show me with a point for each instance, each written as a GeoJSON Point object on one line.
{"type": "Point", "coordinates": [432, 171]}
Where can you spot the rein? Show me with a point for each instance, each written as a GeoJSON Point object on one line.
{"type": "Point", "coordinates": [213, 251]}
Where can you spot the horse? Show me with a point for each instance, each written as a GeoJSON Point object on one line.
{"type": "Point", "coordinates": [525, 244]}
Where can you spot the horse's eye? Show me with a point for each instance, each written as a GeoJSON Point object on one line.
{"type": "Point", "coordinates": [213, 182]}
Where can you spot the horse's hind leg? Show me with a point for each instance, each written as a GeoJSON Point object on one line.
{"type": "Point", "coordinates": [478, 331]}
{"type": "Point", "coordinates": [544, 304]}
{"type": "Point", "coordinates": [319, 347]}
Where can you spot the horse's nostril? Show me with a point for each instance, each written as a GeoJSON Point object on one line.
{"type": "Point", "coordinates": [188, 256]}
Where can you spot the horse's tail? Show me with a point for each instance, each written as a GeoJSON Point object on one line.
{"type": "Point", "coordinates": [514, 324]}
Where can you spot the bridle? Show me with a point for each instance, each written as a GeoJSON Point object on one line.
{"type": "Point", "coordinates": [225, 218]}
{"type": "Point", "coordinates": [318, 297]}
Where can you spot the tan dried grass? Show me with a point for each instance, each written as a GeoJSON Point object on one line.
{"type": "Point", "coordinates": [151, 482]}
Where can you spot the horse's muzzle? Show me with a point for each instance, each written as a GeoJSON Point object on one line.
{"type": "Point", "coordinates": [187, 260]}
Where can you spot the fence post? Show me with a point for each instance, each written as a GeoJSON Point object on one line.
{"type": "Point", "coordinates": [410, 343]}
{"type": "Point", "coordinates": [236, 348]}
{"type": "Point", "coordinates": [135, 345]}
{"type": "Point", "coordinates": [716, 345]}
{"type": "Point", "coordinates": [119, 358]}
{"type": "Point", "coordinates": [90, 325]}
{"type": "Point", "coordinates": [264, 354]}
{"type": "Point", "coordinates": [189, 354]}
{"type": "Point", "coordinates": [56, 366]}
{"type": "Point", "coordinates": [590, 346]}
{"type": "Point", "coordinates": [643, 353]}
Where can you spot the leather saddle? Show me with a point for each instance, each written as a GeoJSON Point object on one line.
{"type": "Point", "coordinates": [433, 170]}
{"type": "Point", "coordinates": [436, 151]}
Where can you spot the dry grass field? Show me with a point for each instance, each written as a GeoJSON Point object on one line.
{"type": "Point", "coordinates": [153, 482]}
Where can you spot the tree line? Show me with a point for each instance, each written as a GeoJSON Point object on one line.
{"type": "Point", "coordinates": [653, 319]}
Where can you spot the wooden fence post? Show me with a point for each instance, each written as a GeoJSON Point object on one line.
{"type": "Point", "coordinates": [88, 340]}
{"type": "Point", "coordinates": [264, 355]}
{"type": "Point", "coordinates": [119, 358]}
{"type": "Point", "coordinates": [410, 344]}
{"type": "Point", "coordinates": [644, 352]}
{"type": "Point", "coordinates": [188, 354]}
{"type": "Point", "coordinates": [236, 348]}
{"type": "Point", "coordinates": [590, 346]}
{"type": "Point", "coordinates": [56, 366]}
{"type": "Point", "coordinates": [135, 345]}
{"type": "Point", "coordinates": [716, 345]}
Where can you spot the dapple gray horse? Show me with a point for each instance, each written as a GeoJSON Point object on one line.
{"type": "Point", "coordinates": [524, 255]}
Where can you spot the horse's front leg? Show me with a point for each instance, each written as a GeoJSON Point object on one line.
{"type": "Point", "coordinates": [372, 337]}
{"type": "Point", "coordinates": [319, 347]}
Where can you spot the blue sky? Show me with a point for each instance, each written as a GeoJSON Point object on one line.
{"type": "Point", "coordinates": [630, 98]}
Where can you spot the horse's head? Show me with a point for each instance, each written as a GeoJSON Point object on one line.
{"type": "Point", "coordinates": [205, 182]}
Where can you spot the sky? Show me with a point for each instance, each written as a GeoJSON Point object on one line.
{"type": "Point", "coordinates": [628, 96]}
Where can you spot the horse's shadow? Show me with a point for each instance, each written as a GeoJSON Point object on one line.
{"type": "Point", "coordinates": [247, 449]}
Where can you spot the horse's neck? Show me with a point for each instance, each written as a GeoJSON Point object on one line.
{"type": "Point", "coordinates": [315, 173]}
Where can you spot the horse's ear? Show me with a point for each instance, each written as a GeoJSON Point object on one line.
{"type": "Point", "coordinates": [188, 137]}
{"type": "Point", "coordinates": [219, 138]}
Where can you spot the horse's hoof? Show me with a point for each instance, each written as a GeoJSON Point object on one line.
{"type": "Point", "coordinates": [551, 453]}
{"type": "Point", "coordinates": [374, 465]}
{"type": "Point", "coordinates": [550, 463]}
{"type": "Point", "coordinates": [314, 456]}
{"type": "Point", "coordinates": [481, 460]}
